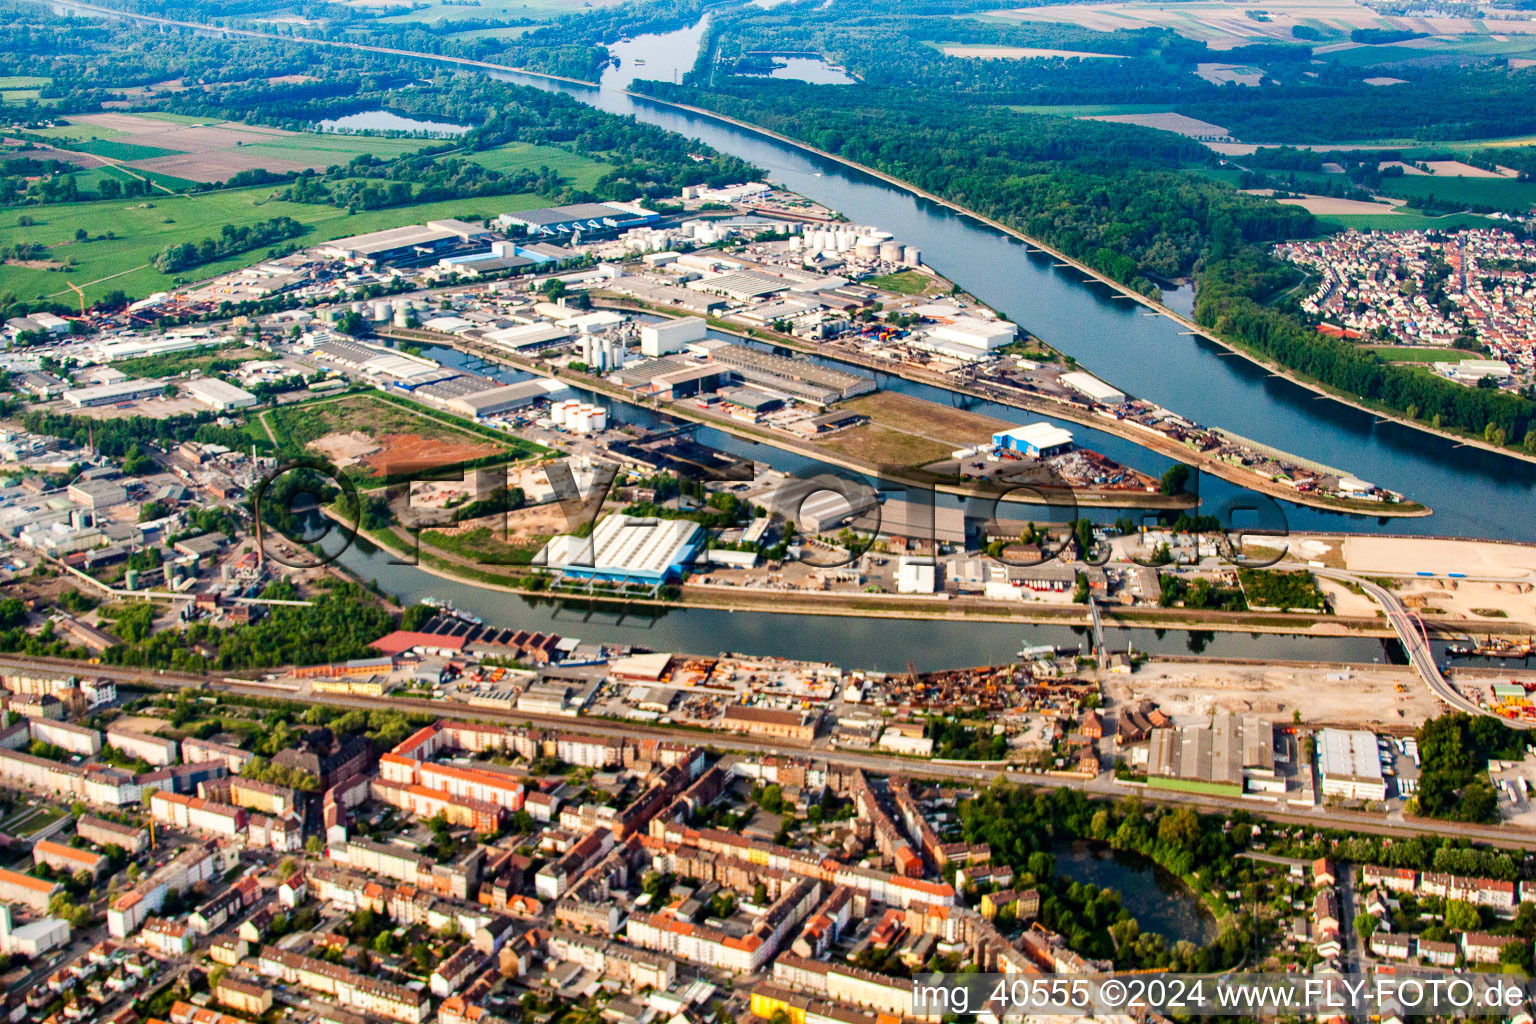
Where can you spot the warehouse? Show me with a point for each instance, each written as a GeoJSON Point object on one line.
{"type": "Point", "coordinates": [498, 401]}
{"type": "Point", "coordinates": [96, 494]}
{"type": "Point", "coordinates": [799, 378]}
{"type": "Point", "coordinates": [411, 242]}
{"type": "Point", "coordinates": [741, 285]}
{"type": "Point", "coordinates": [527, 336]}
{"type": "Point", "coordinates": [1351, 764]}
{"type": "Point", "coordinates": [1198, 758]}
{"type": "Point", "coordinates": [972, 332]}
{"type": "Point", "coordinates": [219, 395]}
{"type": "Point", "coordinates": [1036, 440]}
{"type": "Point", "coordinates": [626, 549]}
{"type": "Point", "coordinates": [1089, 385]}
{"type": "Point", "coordinates": [667, 337]}
{"type": "Point", "coordinates": [586, 218]}
{"type": "Point", "coordinates": [111, 394]}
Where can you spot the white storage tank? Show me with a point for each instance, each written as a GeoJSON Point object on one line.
{"type": "Point", "coordinates": [890, 252]}
{"type": "Point", "coordinates": [381, 311]}
{"type": "Point", "coordinates": [912, 256]}
{"type": "Point", "coordinates": [867, 248]}
{"type": "Point", "coordinates": [580, 421]}
{"type": "Point", "coordinates": [599, 418]}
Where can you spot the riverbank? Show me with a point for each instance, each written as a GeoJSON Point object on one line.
{"type": "Point", "coordinates": [1273, 368]}
{"type": "Point", "coordinates": [1136, 433]}
{"type": "Point", "coordinates": [447, 566]}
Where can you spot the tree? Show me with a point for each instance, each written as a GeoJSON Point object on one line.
{"type": "Point", "coordinates": [1365, 927]}
{"type": "Point", "coordinates": [1461, 916]}
{"type": "Point", "coordinates": [760, 894]}
{"type": "Point", "coordinates": [1175, 477]}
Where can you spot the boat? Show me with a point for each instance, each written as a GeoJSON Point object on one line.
{"type": "Point", "coordinates": [1502, 648]}
{"type": "Point", "coordinates": [1037, 652]}
{"type": "Point", "coordinates": [637, 62]}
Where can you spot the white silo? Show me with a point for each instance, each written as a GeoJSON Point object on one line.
{"type": "Point", "coordinates": [599, 418]}
{"type": "Point", "coordinates": [581, 419]}
{"type": "Point", "coordinates": [912, 256]}
{"type": "Point", "coordinates": [890, 252]}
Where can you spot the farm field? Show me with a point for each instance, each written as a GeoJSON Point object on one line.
{"type": "Point", "coordinates": [542, 10]}
{"type": "Point", "coordinates": [1225, 25]}
{"type": "Point", "coordinates": [1497, 193]}
{"type": "Point", "coordinates": [519, 156]}
{"type": "Point", "coordinates": [371, 438]}
{"type": "Point", "coordinates": [1024, 53]}
{"type": "Point", "coordinates": [144, 227]}
{"type": "Point", "coordinates": [214, 150]}
{"type": "Point", "coordinates": [1090, 109]}
{"type": "Point", "coordinates": [1406, 221]}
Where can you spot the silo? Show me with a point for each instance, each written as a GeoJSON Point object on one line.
{"type": "Point", "coordinates": [912, 256]}
{"type": "Point", "coordinates": [381, 311]}
{"type": "Point", "coordinates": [581, 420]}
{"type": "Point", "coordinates": [890, 252]}
{"type": "Point", "coordinates": [599, 418]}
{"type": "Point", "coordinates": [131, 579]}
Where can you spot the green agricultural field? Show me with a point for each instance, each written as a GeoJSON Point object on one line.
{"type": "Point", "coordinates": [491, 9]}
{"type": "Point", "coordinates": [144, 227]}
{"type": "Point", "coordinates": [1498, 193]}
{"type": "Point", "coordinates": [23, 82]}
{"type": "Point", "coordinates": [19, 95]}
{"type": "Point", "coordinates": [112, 149]}
{"type": "Point", "coordinates": [1091, 109]}
{"type": "Point", "coordinates": [342, 148]}
{"type": "Point", "coordinates": [582, 171]}
{"type": "Point", "coordinates": [1404, 221]}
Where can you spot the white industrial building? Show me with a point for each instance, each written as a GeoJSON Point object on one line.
{"type": "Point", "coordinates": [506, 399]}
{"type": "Point", "coordinates": [1089, 385]}
{"type": "Point", "coordinates": [626, 549]}
{"type": "Point", "coordinates": [1351, 764]}
{"type": "Point", "coordinates": [916, 576]}
{"type": "Point", "coordinates": [1037, 440]}
{"type": "Point", "coordinates": [670, 336]}
{"type": "Point", "coordinates": [111, 394]}
{"type": "Point", "coordinates": [220, 396]}
{"type": "Point", "coordinates": [975, 333]}
{"type": "Point", "coordinates": [33, 939]}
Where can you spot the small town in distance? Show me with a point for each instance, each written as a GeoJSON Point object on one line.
{"type": "Point", "coordinates": [541, 565]}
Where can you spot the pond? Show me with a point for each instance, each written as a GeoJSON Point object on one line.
{"type": "Point", "coordinates": [1161, 902]}
{"type": "Point", "coordinates": [388, 121]}
{"type": "Point", "coordinates": [804, 67]}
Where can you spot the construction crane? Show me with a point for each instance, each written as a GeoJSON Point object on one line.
{"type": "Point", "coordinates": [82, 297]}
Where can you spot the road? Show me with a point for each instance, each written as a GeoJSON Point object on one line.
{"type": "Point", "coordinates": [1410, 631]}
{"type": "Point", "coordinates": [1103, 787]}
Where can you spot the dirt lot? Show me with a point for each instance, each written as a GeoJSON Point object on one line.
{"type": "Point", "coordinates": [1179, 124]}
{"type": "Point", "coordinates": [345, 449]}
{"type": "Point", "coordinates": [1423, 554]}
{"type": "Point", "coordinates": [411, 453]}
{"type": "Point", "coordinates": [1324, 205]}
{"type": "Point", "coordinates": [1189, 691]}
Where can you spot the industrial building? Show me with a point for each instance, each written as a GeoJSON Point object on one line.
{"type": "Point", "coordinates": [1036, 440]}
{"type": "Point", "coordinates": [411, 242]}
{"type": "Point", "coordinates": [527, 336]}
{"type": "Point", "coordinates": [95, 494]}
{"type": "Point", "coordinates": [584, 218]}
{"type": "Point", "coordinates": [508, 398]}
{"type": "Point", "coordinates": [1217, 758]}
{"type": "Point", "coordinates": [220, 396]}
{"type": "Point", "coordinates": [799, 378]}
{"type": "Point", "coordinates": [626, 549]}
{"type": "Point", "coordinates": [975, 333]}
{"type": "Point", "coordinates": [663, 339]}
{"type": "Point", "coordinates": [1351, 764]}
{"type": "Point", "coordinates": [1089, 385]}
{"type": "Point", "coordinates": [111, 394]}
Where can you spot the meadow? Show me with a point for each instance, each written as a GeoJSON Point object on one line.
{"type": "Point", "coordinates": [582, 171]}
{"type": "Point", "coordinates": [144, 227]}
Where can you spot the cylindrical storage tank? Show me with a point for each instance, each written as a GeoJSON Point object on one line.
{"type": "Point", "coordinates": [599, 419]}
{"type": "Point", "coordinates": [381, 311]}
{"type": "Point", "coordinates": [846, 240]}
{"type": "Point", "coordinates": [912, 256]}
{"type": "Point", "coordinates": [131, 579]}
{"type": "Point", "coordinates": [557, 414]}
{"type": "Point", "coordinates": [581, 420]}
{"type": "Point", "coordinates": [890, 252]}
{"type": "Point", "coordinates": [866, 248]}
{"type": "Point", "coordinates": [357, 307]}
{"type": "Point", "coordinates": [404, 317]}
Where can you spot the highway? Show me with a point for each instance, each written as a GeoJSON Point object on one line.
{"type": "Point", "coordinates": [1102, 787]}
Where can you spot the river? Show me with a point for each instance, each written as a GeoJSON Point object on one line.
{"type": "Point", "coordinates": [1473, 492]}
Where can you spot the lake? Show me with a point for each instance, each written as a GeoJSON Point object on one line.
{"type": "Point", "coordinates": [1161, 902]}
{"type": "Point", "coordinates": [388, 121]}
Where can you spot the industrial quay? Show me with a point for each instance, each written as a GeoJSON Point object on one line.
{"type": "Point", "coordinates": [261, 789]}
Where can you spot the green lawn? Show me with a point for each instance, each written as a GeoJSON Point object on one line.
{"type": "Point", "coordinates": [434, 11]}
{"type": "Point", "coordinates": [1411, 354]}
{"type": "Point", "coordinates": [19, 95]}
{"type": "Point", "coordinates": [903, 282]}
{"type": "Point", "coordinates": [144, 227]}
{"type": "Point", "coordinates": [22, 81]}
{"type": "Point", "coordinates": [518, 156]}
{"type": "Point", "coordinates": [341, 148]}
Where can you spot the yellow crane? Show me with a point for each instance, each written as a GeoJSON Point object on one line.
{"type": "Point", "coordinates": [82, 297]}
